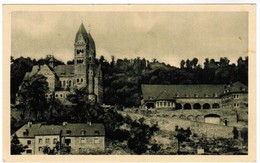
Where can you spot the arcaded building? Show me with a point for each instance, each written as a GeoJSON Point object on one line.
{"type": "Point", "coordinates": [195, 96]}
{"type": "Point", "coordinates": [85, 72]}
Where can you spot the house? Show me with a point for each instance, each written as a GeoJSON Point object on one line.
{"type": "Point", "coordinates": [85, 72]}
{"type": "Point", "coordinates": [195, 96]}
{"type": "Point", "coordinates": [80, 137]}
{"type": "Point", "coordinates": [216, 104]}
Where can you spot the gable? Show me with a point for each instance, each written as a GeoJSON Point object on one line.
{"type": "Point", "coordinates": [45, 71]}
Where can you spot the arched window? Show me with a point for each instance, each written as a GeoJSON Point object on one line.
{"type": "Point", "coordinates": [199, 118]}
{"type": "Point", "coordinates": [81, 80]}
{"type": "Point", "coordinates": [206, 106]}
{"type": "Point", "coordinates": [183, 117]}
{"type": "Point", "coordinates": [197, 106]}
{"type": "Point", "coordinates": [64, 83]}
{"type": "Point", "coordinates": [77, 80]}
{"type": "Point", "coordinates": [191, 118]}
{"type": "Point", "coordinates": [178, 106]}
{"type": "Point", "coordinates": [215, 106]}
{"type": "Point", "coordinates": [187, 106]}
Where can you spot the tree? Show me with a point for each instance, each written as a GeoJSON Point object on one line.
{"type": "Point", "coordinates": [19, 67]}
{"type": "Point", "coordinates": [16, 147]}
{"type": "Point", "coordinates": [235, 133]}
{"type": "Point", "coordinates": [194, 62]}
{"type": "Point", "coordinates": [32, 96]}
{"type": "Point", "coordinates": [182, 64]}
{"type": "Point", "coordinates": [182, 136]}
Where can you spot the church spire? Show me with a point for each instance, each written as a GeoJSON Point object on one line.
{"type": "Point", "coordinates": [82, 32]}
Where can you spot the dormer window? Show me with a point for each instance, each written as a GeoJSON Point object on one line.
{"type": "Point", "coordinates": [26, 132]}
{"type": "Point", "coordinates": [176, 95]}
{"type": "Point", "coordinates": [196, 95]}
{"type": "Point", "coordinates": [68, 132]}
{"type": "Point", "coordinates": [96, 132]}
{"type": "Point", "coordinates": [83, 132]}
{"type": "Point", "coordinates": [242, 88]}
{"type": "Point", "coordinates": [205, 95]}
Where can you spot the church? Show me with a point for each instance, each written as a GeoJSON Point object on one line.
{"type": "Point", "coordinates": [85, 72]}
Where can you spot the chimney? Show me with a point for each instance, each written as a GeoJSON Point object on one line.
{"type": "Point", "coordinates": [64, 123]}
{"type": "Point", "coordinates": [29, 124]}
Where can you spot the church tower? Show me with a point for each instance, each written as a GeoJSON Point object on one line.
{"type": "Point", "coordinates": [84, 49]}
{"type": "Point", "coordinates": [91, 95]}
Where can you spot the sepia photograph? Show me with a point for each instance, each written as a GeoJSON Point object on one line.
{"type": "Point", "coordinates": [130, 80]}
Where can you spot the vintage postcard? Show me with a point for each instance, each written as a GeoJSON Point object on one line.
{"type": "Point", "coordinates": [159, 83]}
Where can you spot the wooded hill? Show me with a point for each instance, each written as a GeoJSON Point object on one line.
{"type": "Point", "coordinates": [123, 77]}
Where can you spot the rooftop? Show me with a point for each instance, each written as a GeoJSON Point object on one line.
{"type": "Point", "coordinates": [169, 92]}
{"type": "Point", "coordinates": [66, 129]}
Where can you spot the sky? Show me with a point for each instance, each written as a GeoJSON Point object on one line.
{"type": "Point", "coordinates": [166, 36]}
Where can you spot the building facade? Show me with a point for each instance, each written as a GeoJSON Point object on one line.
{"type": "Point", "coordinates": [85, 72]}
{"type": "Point", "coordinates": [80, 137]}
{"type": "Point", "coordinates": [195, 96]}
{"type": "Point", "coordinates": [217, 104]}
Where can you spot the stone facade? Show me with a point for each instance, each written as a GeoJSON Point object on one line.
{"type": "Point", "coordinates": [195, 96]}
{"type": "Point", "coordinates": [80, 137]}
{"type": "Point", "coordinates": [218, 104]}
{"type": "Point", "coordinates": [85, 72]}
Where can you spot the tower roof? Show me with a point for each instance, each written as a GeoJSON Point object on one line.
{"type": "Point", "coordinates": [86, 36]}
{"type": "Point", "coordinates": [82, 31]}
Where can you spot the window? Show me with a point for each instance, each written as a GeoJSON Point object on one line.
{"type": "Point", "coordinates": [60, 95]}
{"type": "Point", "coordinates": [68, 131]}
{"type": "Point", "coordinates": [83, 132]}
{"type": "Point", "coordinates": [96, 140]}
{"type": "Point", "coordinates": [40, 141]}
{"type": "Point", "coordinates": [25, 133]}
{"type": "Point", "coordinates": [67, 141]}
{"type": "Point", "coordinates": [97, 132]}
{"type": "Point", "coordinates": [81, 80]}
{"type": "Point", "coordinates": [29, 151]}
{"type": "Point", "coordinates": [40, 149]}
{"type": "Point", "coordinates": [46, 96]}
{"type": "Point", "coordinates": [47, 140]}
{"type": "Point", "coordinates": [29, 142]}
{"type": "Point", "coordinates": [236, 104]}
{"type": "Point", "coordinates": [54, 140]}
{"type": "Point", "coordinates": [77, 80]}
{"type": "Point", "coordinates": [235, 96]}
{"type": "Point", "coordinates": [56, 95]}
